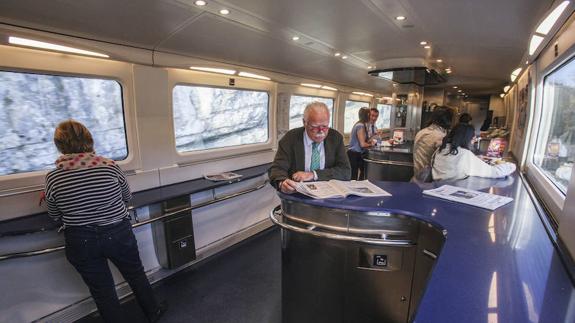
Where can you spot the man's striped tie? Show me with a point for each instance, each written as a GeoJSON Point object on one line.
{"type": "Point", "coordinates": [315, 158]}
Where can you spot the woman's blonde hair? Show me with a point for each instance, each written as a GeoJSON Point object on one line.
{"type": "Point", "coordinates": [73, 137]}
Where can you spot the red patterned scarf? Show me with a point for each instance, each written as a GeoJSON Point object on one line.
{"type": "Point", "coordinates": [81, 160]}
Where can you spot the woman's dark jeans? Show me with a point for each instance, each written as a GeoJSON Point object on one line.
{"type": "Point", "coordinates": [88, 249]}
{"type": "Point", "coordinates": [357, 165]}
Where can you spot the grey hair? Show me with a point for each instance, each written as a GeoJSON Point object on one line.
{"type": "Point", "coordinates": [314, 106]}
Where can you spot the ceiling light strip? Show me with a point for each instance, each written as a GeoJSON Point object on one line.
{"type": "Point", "coordinates": [50, 46]}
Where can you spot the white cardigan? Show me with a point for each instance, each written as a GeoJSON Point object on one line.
{"type": "Point", "coordinates": [464, 164]}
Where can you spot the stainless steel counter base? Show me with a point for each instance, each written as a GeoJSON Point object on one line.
{"type": "Point", "coordinates": [346, 266]}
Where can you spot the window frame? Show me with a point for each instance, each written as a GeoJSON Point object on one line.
{"type": "Point", "coordinates": [390, 113]}
{"type": "Point", "coordinates": [31, 61]}
{"type": "Point", "coordinates": [203, 79]}
{"type": "Point", "coordinates": [347, 134]}
{"type": "Point", "coordinates": [333, 111]}
{"type": "Point", "coordinates": [551, 195]}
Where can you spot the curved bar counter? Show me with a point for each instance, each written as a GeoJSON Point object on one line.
{"type": "Point", "coordinates": [495, 266]}
{"type": "Point", "coordinates": [393, 163]}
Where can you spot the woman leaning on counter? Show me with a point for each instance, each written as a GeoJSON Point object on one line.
{"type": "Point", "coordinates": [88, 193]}
{"type": "Point", "coordinates": [358, 144]}
{"type": "Point", "coordinates": [430, 138]}
{"type": "Point", "coordinates": [453, 160]}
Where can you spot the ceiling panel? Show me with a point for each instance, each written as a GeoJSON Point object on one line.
{"type": "Point", "coordinates": [211, 36]}
{"type": "Point", "coordinates": [141, 23]}
{"type": "Point", "coordinates": [481, 39]}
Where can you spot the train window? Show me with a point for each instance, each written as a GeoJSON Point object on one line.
{"type": "Point", "coordinates": [298, 103]}
{"type": "Point", "coordinates": [555, 149]}
{"type": "Point", "coordinates": [32, 105]}
{"type": "Point", "coordinates": [351, 111]}
{"type": "Point", "coordinates": [384, 120]}
{"type": "Point", "coordinates": [209, 117]}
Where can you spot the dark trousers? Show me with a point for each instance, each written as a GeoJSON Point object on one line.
{"type": "Point", "coordinates": [356, 163]}
{"type": "Point", "coordinates": [89, 247]}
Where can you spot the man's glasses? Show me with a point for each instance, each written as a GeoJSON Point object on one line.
{"type": "Point", "coordinates": [318, 128]}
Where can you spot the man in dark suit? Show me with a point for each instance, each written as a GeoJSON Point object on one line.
{"type": "Point", "coordinates": [310, 153]}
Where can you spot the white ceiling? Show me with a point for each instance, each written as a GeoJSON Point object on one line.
{"type": "Point", "coordinates": [481, 40]}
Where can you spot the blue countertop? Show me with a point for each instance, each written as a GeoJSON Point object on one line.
{"type": "Point", "coordinates": [495, 266]}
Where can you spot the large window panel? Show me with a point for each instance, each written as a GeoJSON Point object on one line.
{"type": "Point", "coordinates": [384, 119]}
{"type": "Point", "coordinates": [298, 103]}
{"type": "Point", "coordinates": [555, 147]}
{"type": "Point", "coordinates": [351, 114]}
{"type": "Point", "coordinates": [32, 105]}
{"type": "Point", "coordinates": [208, 117]}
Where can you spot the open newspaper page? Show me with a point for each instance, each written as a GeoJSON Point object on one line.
{"type": "Point", "coordinates": [335, 189]}
{"type": "Point", "coordinates": [227, 176]}
{"type": "Point", "coordinates": [359, 188]}
{"type": "Point", "coordinates": [319, 190]}
{"type": "Point", "coordinates": [467, 196]}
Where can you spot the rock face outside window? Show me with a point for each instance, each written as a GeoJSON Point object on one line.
{"type": "Point", "coordinates": [32, 105]}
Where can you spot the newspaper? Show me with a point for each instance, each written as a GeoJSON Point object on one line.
{"type": "Point", "coordinates": [340, 189]}
{"type": "Point", "coordinates": [467, 196]}
{"type": "Point", "coordinates": [227, 176]}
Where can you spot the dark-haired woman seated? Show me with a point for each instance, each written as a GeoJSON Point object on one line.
{"type": "Point", "coordinates": [453, 160]}
{"type": "Point", "coordinates": [430, 138]}
{"type": "Point", "coordinates": [88, 193]}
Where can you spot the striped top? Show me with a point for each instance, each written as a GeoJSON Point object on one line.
{"type": "Point", "coordinates": [95, 195]}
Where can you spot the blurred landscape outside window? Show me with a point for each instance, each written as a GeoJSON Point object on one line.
{"type": "Point", "coordinates": [555, 148]}
{"type": "Point", "coordinates": [351, 114]}
{"type": "Point", "coordinates": [298, 103]}
{"type": "Point", "coordinates": [384, 120]}
{"type": "Point", "coordinates": [208, 118]}
{"type": "Point", "coordinates": [32, 105]}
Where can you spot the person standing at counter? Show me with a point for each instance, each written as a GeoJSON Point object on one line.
{"type": "Point", "coordinates": [88, 193]}
{"type": "Point", "coordinates": [454, 159]}
{"type": "Point", "coordinates": [372, 132]}
{"type": "Point", "coordinates": [309, 153]}
{"type": "Point", "coordinates": [358, 144]}
{"type": "Point", "coordinates": [430, 138]}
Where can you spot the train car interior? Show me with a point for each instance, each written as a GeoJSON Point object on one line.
{"type": "Point", "coordinates": [191, 98]}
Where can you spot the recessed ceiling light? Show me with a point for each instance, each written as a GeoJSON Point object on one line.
{"type": "Point", "coordinates": [336, 54]}
{"type": "Point", "coordinates": [225, 12]}
{"type": "Point", "coordinates": [295, 38]}
{"type": "Point", "coordinates": [526, 62]}
{"type": "Point", "coordinates": [459, 91]}
{"type": "Point", "coordinates": [317, 86]}
{"type": "Point", "coordinates": [370, 67]}
{"type": "Point", "coordinates": [423, 43]}
{"type": "Point", "coordinates": [50, 46]}
{"type": "Point", "coordinates": [550, 20]}
{"type": "Point", "coordinates": [400, 18]}
{"type": "Point", "coordinates": [254, 76]}
{"type": "Point", "coordinates": [344, 57]}
{"type": "Point", "coordinates": [439, 60]}
{"type": "Point", "coordinates": [213, 70]}
{"type": "Point", "coordinates": [427, 47]}
{"type": "Point", "coordinates": [455, 87]}
{"type": "Point", "coordinates": [502, 95]}
{"type": "Point", "coordinates": [200, 3]}
{"type": "Point", "coordinates": [506, 88]}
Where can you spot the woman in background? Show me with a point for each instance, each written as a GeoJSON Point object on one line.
{"type": "Point", "coordinates": [88, 193]}
{"type": "Point", "coordinates": [453, 160]}
{"type": "Point", "coordinates": [430, 138]}
{"type": "Point", "coordinates": [358, 144]}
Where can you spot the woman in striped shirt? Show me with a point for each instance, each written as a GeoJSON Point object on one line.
{"type": "Point", "coordinates": [88, 193]}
